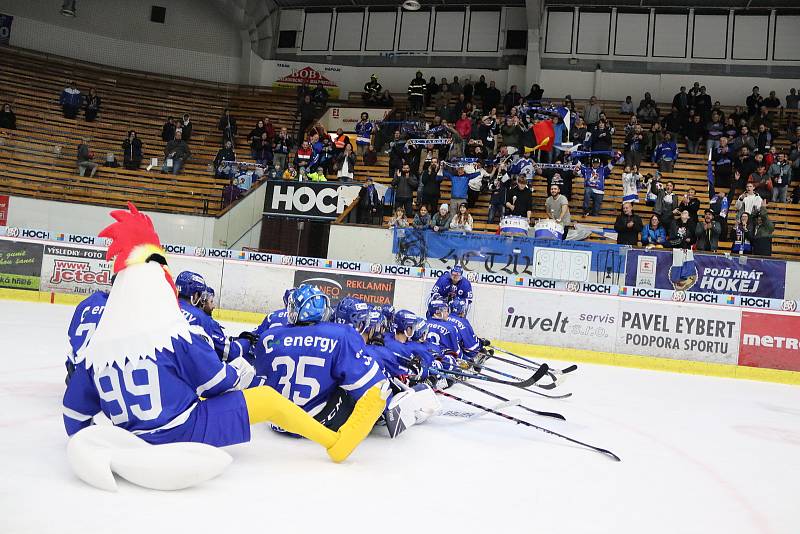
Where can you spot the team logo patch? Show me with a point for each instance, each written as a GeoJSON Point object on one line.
{"type": "Point", "coordinates": [573, 286]}
{"type": "Point", "coordinates": [679, 296]}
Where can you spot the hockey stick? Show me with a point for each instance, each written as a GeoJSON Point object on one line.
{"type": "Point", "coordinates": [531, 365]}
{"type": "Point", "coordinates": [554, 415]}
{"type": "Point", "coordinates": [474, 415]}
{"type": "Point", "coordinates": [524, 384]}
{"type": "Point", "coordinates": [552, 385]}
{"type": "Point", "coordinates": [605, 452]}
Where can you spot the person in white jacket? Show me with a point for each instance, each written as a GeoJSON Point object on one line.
{"type": "Point", "coordinates": [462, 220]}
{"type": "Point", "coordinates": [748, 201]}
{"type": "Point", "coordinates": [630, 181]}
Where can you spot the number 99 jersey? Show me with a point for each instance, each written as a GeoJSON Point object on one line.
{"type": "Point", "coordinates": [307, 363]}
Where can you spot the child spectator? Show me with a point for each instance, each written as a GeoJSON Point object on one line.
{"type": "Point", "coordinates": [462, 221]}
{"type": "Point", "coordinates": [422, 220]}
{"type": "Point", "coordinates": [398, 220]}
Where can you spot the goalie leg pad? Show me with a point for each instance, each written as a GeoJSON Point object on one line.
{"type": "Point", "coordinates": [411, 407]}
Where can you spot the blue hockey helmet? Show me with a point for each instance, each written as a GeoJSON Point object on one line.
{"type": "Point", "coordinates": [437, 305]}
{"type": "Point", "coordinates": [403, 320]}
{"type": "Point", "coordinates": [376, 320]}
{"type": "Point", "coordinates": [459, 307]}
{"type": "Point", "coordinates": [354, 312]}
{"type": "Point", "coordinates": [190, 284]}
{"type": "Point", "coordinates": [286, 296]}
{"type": "Point", "coordinates": [457, 269]}
{"type": "Point", "coordinates": [420, 330]}
{"type": "Point", "coordinates": [307, 304]}
{"type": "Point", "coordinates": [387, 315]}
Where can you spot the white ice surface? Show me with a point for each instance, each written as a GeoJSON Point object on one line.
{"type": "Point", "coordinates": [699, 455]}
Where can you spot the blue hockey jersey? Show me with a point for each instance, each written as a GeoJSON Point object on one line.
{"type": "Point", "coordinates": [226, 349]}
{"type": "Point", "coordinates": [596, 178]}
{"type": "Point", "coordinates": [445, 335]}
{"type": "Point", "coordinates": [84, 322]}
{"type": "Point", "coordinates": [388, 359]}
{"type": "Point", "coordinates": [470, 344]}
{"type": "Point", "coordinates": [273, 320]}
{"type": "Point", "coordinates": [447, 290]}
{"type": "Point", "coordinates": [307, 363]}
{"type": "Point", "coordinates": [364, 133]}
{"type": "Point", "coordinates": [155, 399]}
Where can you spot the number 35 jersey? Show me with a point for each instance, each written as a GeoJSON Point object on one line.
{"type": "Point", "coordinates": [307, 363]}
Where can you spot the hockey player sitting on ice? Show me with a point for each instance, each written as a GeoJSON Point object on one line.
{"type": "Point", "coordinates": [409, 357]}
{"type": "Point", "coordinates": [321, 366]}
{"type": "Point", "coordinates": [208, 301]}
{"type": "Point", "coordinates": [452, 284]}
{"type": "Point", "coordinates": [84, 322]}
{"type": "Point", "coordinates": [276, 318]}
{"type": "Point", "coordinates": [192, 290]}
{"type": "Point", "coordinates": [152, 374]}
{"type": "Point", "coordinates": [409, 405]}
{"type": "Point", "coordinates": [442, 332]}
{"type": "Point", "coordinates": [470, 343]}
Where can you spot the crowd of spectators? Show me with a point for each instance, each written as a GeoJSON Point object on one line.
{"type": "Point", "coordinates": [484, 143]}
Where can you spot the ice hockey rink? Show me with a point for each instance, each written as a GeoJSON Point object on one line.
{"type": "Point", "coordinates": [699, 455]}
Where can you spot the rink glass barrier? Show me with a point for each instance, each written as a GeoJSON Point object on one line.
{"type": "Point", "coordinates": [584, 319]}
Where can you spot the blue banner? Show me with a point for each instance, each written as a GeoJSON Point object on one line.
{"type": "Point", "coordinates": [708, 273]}
{"type": "Point", "coordinates": [5, 28]}
{"type": "Point", "coordinates": [540, 258]}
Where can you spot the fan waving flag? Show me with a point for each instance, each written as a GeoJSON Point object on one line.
{"type": "Point", "coordinates": [545, 135]}
{"type": "Point", "coordinates": [566, 118]}
{"type": "Point", "coordinates": [710, 175]}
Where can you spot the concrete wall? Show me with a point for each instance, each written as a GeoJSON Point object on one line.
{"type": "Point", "coordinates": [195, 41]}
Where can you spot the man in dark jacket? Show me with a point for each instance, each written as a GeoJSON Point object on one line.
{"type": "Point", "coordinates": [307, 114]}
{"type": "Point", "coordinates": [491, 97]}
{"type": "Point", "coordinates": [416, 94]}
{"type": "Point", "coordinates": [404, 184]}
{"type": "Point", "coordinates": [225, 153]}
{"type": "Point", "coordinates": [431, 183]}
{"type": "Point", "coordinates": [762, 230]}
{"type": "Point", "coordinates": [369, 203]}
{"type": "Point", "coordinates": [628, 226]}
{"type": "Point", "coordinates": [176, 152]}
{"type": "Point", "coordinates": [708, 231]}
{"type": "Point", "coordinates": [168, 130]}
{"type": "Point", "coordinates": [519, 200]}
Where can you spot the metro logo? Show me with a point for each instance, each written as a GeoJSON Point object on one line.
{"type": "Point", "coordinates": [770, 340]}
